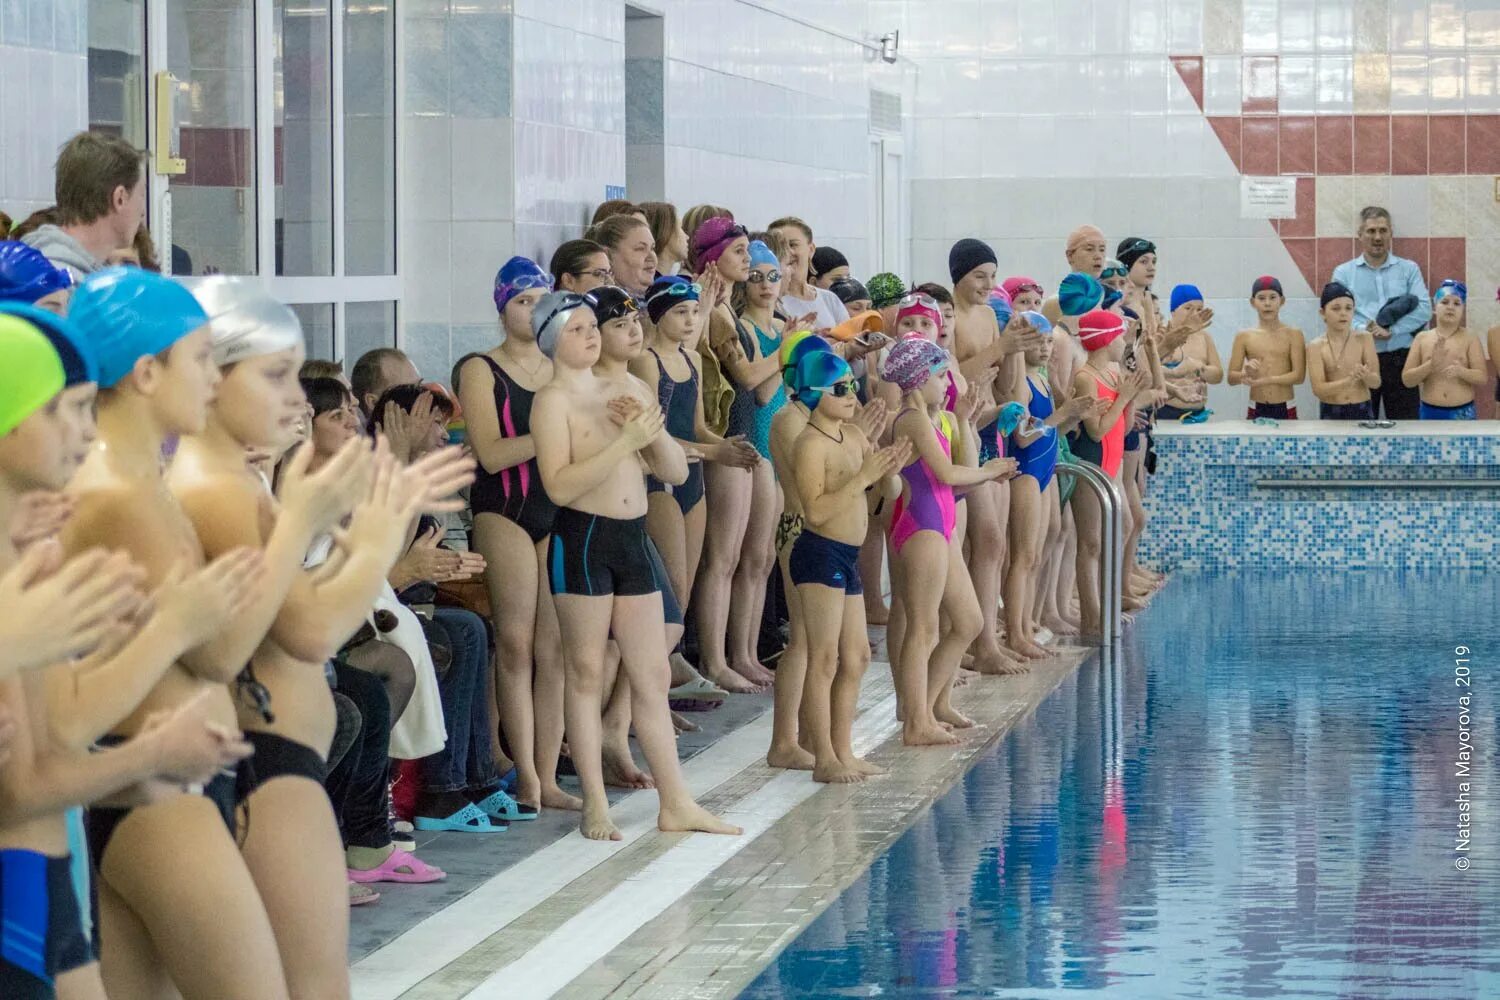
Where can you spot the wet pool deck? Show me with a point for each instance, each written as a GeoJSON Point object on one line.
{"type": "Point", "coordinates": [541, 912]}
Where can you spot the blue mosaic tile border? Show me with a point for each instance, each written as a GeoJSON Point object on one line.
{"type": "Point", "coordinates": [1204, 511]}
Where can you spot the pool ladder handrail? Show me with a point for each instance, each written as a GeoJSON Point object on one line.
{"type": "Point", "coordinates": [1111, 547]}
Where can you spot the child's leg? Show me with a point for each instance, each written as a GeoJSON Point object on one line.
{"type": "Point", "coordinates": [791, 674]}
{"type": "Point", "coordinates": [962, 622]}
{"type": "Point", "coordinates": [1025, 514]}
{"type": "Point", "coordinates": [823, 615]}
{"type": "Point", "coordinates": [585, 629]}
{"type": "Point", "coordinates": [854, 659]}
{"type": "Point", "coordinates": [924, 572]}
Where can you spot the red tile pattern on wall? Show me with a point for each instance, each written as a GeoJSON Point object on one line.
{"type": "Point", "coordinates": [1447, 258]}
{"type": "Point", "coordinates": [1372, 144]}
{"type": "Point", "coordinates": [1409, 149]}
{"type": "Point", "coordinates": [1447, 144]}
{"type": "Point", "coordinates": [1332, 251]}
{"type": "Point", "coordinates": [1261, 145]}
{"type": "Point", "coordinates": [1299, 143]}
{"type": "Point", "coordinates": [1483, 144]}
{"type": "Point", "coordinates": [1190, 68]}
{"type": "Point", "coordinates": [1335, 144]}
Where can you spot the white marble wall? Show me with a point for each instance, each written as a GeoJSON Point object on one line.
{"type": "Point", "coordinates": [43, 95]}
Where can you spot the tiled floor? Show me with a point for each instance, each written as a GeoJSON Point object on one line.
{"type": "Point", "coordinates": [666, 916]}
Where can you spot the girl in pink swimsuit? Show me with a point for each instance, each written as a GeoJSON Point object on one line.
{"type": "Point", "coordinates": [942, 613]}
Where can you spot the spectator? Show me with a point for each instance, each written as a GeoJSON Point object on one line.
{"type": "Point", "coordinates": [101, 202]}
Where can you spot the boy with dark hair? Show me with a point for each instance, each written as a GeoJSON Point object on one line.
{"type": "Point", "coordinates": [1341, 364]}
{"type": "Point", "coordinates": [1270, 357]}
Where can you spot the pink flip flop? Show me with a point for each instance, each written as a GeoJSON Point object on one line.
{"type": "Point", "coordinates": [399, 867]}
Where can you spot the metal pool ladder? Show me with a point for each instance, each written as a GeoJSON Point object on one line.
{"type": "Point", "coordinates": [1111, 546]}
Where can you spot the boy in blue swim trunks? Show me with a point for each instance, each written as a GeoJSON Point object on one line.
{"type": "Point", "coordinates": [1446, 361]}
{"type": "Point", "coordinates": [835, 468]}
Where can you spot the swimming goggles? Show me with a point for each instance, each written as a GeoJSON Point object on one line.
{"type": "Point", "coordinates": [762, 277]}
{"type": "Point", "coordinates": [1139, 247]}
{"type": "Point", "coordinates": [840, 389]}
{"type": "Point", "coordinates": [619, 309]}
{"type": "Point", "coordinates": [567, 303]}
{"type": "Point", "coordinates": [1113, 269]}
{"type": "Point", "coordinates": [1452, 286]}
{"type": "Point", "coordinates": [917, 299]}
{"type": "Point", "coordinates": [676, 290]}
{"type": "Point", "coordinates": [528, 281]}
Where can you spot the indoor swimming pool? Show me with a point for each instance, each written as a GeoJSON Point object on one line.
{"type": "Point", "coordinates": [1261, 795]}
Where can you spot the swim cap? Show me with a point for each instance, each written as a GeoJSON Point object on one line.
{"type": "Point", "coordinates": [1111, 296]}
{"type": "Point", "coordinates": [885, 289]}
{"type": "Point", "coordinates": [712, 238]}
{"type": "Point", "coordinates": [551, 314]}
{"type": "Point", "coordinates": [1002, 306]}
{"type": "Point", "coordinates": [612, 302]}
{"type": "Point", "coordinates": [1082, 235]}
{"type": "Point", "coordinates": [1042, 323]}
{"type": "Point", "coordinates": [26, 275]}
{"type": "Point", "coordinates": [912, 362]}
{"type": "Point", "coordinates": [1183, 294]}
{"type": "Point", "coordinates": [1016, 285]}
{"type": "Point", "coordinates": [761, 255]}
{"type": "Point", "coordinates": [1010, 417]}
{"type": "Point", "coordinates": [1334, 290]}
{"type": "Point", "coordinates": [1452, 286]}
{"type": "Point", "coordinates": [77, 360]}
{"type": "Point", "coordinates": [124, 314]}
{"type": "Point", "coordinates": [1078, 293]}
{"type": "Point", "coordinates": [1132, 249]}
{"type": "Point", "coordinates": [1113, 269]}
{"type": "Point", "coordinates": [1098, 329]}
{"type": "Point", "coordinates": [817, 371]}
{"type": "Point", "coordinates": [921, 305]}
{"type": "Point", "coordinates": [30, 372]}
{"type": "Point", "coordinates": [794, 348]}
{"type": "Point", "coordinates": [247, 321]}
{"type": "Point", "coordinates": [848, 290]}
{"type": "Point", "coordinates": [825, 259]}
{"type": "Point", "coordinates": [516, 276]}
{"type": "Point", "coordinates": [966, 255]}
{"type": "Point", "coordinates": [667, 291]}
{"type": "Point", "coordinates": [1266, 283]}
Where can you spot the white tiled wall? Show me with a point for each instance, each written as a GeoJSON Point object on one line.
{"type": "Point", "coordinates": [43, 95]}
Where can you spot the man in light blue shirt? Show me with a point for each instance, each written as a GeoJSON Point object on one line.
{"type": "Point", "coordinates": [1375, 277]}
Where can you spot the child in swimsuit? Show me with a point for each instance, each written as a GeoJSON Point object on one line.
{"type": "Point", "coordinates": [936, 589]}
{"type": "Point", "coordinates": [1446, 361]}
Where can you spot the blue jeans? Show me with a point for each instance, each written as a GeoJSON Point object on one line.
{"type": "Point", "coordinates": [465, 762]}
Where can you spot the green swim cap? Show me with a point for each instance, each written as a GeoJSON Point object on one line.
{"type": "Point", "coordinates": [31, 373]}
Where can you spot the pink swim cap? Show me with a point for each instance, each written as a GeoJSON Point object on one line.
{"type": "Point", "coordinates": [1016, 285]}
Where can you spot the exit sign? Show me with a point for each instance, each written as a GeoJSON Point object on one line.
{"type": "Point", "coordinates": [613, 191]}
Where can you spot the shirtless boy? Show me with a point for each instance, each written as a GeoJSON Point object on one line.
{"type": "Point", "coordinates": [833, 468]}
{"type": "Point", "coordinates": [1342, 366]}
{"type": "Point", "coordinates": [592, 448]}
{"type": "Point", "coordinates": [1270, 357]}
{"type": "Point", "coordinates": [46, 424]}
{"type": "Point", "coordinates": [1447, 361]}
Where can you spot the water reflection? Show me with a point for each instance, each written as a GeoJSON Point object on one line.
{"type": "Point", "coordinates": [1254, 798]}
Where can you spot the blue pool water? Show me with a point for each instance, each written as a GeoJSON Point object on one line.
{"type": "Point", "coordinates": [1256, 798]}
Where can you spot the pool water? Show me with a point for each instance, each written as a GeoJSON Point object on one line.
{"type": "Point", "coordinates": [1256, 797]}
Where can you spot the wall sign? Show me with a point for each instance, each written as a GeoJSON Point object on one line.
{"type": "Point", "coordinates": [613, 191]}
{"type": "Point", "coordinates": [1268, 197]}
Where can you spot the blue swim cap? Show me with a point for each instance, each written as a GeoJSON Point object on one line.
{"type": "Point", "coordinates": [26, 275]}
{"type": "Point", "coordinates": [125, 313]}
{"type": "Point", "coordinates": [1010, 418]}
{"type": "Point", "coordinates": [1078, 293]}
{"type": "Point", "coordinates": [77, 360]}
{"type": "Point", "coordinates": [761, 255]}
{"type": "Point", "coordinates": [516, 276]}
{"type": "Point", "coordinates": [1183, 294]}
{"type": "Point", "coordinates": [794, 348]}
{"type": "Point", "coordinates": [1003, 310]}
{"type": "Point", "coordinates": [1111, 296]}
{"type": "Point", "coordinates": [817, 371]}
{"type": "Point", "coordinates": [1042, 323]}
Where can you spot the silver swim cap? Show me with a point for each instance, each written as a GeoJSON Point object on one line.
{"type": "Point", "coordinates": [247, 321]}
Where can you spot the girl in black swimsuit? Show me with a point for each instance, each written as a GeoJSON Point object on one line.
{"type": "Point", "coordinates": [513, 517]}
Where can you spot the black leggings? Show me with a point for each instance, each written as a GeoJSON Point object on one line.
{"type": "Point", "coordinates": [360, 785]}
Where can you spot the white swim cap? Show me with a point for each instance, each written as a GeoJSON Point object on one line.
{"type": "Point", "coordinates": [247, 321]}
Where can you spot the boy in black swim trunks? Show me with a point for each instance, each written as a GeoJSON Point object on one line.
{"type": "Point", "coordinates": [835, 466]}
{"type": "Point", "coordinates": [1270, 357]}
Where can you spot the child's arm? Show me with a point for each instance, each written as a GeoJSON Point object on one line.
{"type": "Point", "coordinates": [820, 505]}
{"type": "Point", "coordinates": [1212, 371]}
{"type": "Point", "coordinates": [1317, 374]}
{"type": "Point", "coordinates": [1237, 360]}
{"type": "Point", "coordinates": [1369, 362]}
{"type": "Point", "coordinates": [1471, 369]}
{"type": "Point", "coordinates": [564, 479]}
{"type": "Point", "coordinates": [1298, 350]}
{"type": "Point", "coordinates": [914, 426]}
{"type": "Point", "coordinates": [1416, 370]}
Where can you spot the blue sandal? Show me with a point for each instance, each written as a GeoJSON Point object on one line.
{"type": "Point", "coordinates": [502, 806]}
{"type": "Point", "coordinates": [469, 819]}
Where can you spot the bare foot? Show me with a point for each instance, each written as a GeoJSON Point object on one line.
{"type": "Point", "coordinates": [793, 758]}
{"type": "Point", "coordinates": [928, 736]}
{"type": "Point", "coordinates": [836, 772]}
{"type": "Point", "coordinates": [621, 772]}
{"type": "Point", "coordinates": [997, 664]}
{"type": "Point", "coordinates": [1060, 626]}
{"type": "Point", "coordinates": [967, 663]}
{"type": "Point", "coordinates": [864, 767]}
{"type": "Point", "coordinates": [683, 724]}
{"type": "Point", "coordinates": [682, 671]}
{"type": "Point", "coordinates": [1130, 602]}
{"type": "Point", "coordinates": [731, 681]}
{"type": "Point", "coordinates": [947, 715]}
{"type": "Point", "coordinates": [693, 818]}
{"type": "Point", "coordinates": [755, 674]}
{"type": "Point", "coordinates": [556, 798]}
{"type": "Point", "coordinates": [596, 825]}
{"type": "Point", "coordinates": [963, 677]}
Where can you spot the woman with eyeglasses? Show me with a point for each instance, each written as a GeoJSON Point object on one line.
{"type": "Point", "coordinates": [512, 519]}
{"type": "Point", "coordinates": [580, 266]}
{"type": "Point", "coordinates": [722, 247]}
{"type": "Point", "coordinates": [632, 251]}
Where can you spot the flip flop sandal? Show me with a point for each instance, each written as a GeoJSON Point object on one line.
{"type": "Point", "coordinates": [503, 807]}
{"type": "Point", "coordinates": [362, 895]}
{"type": "Point", "coordinates": [700, 690]}
{"type": "Point", "coordinates": [399, 867]}
{"type": "Point", "coordinates": [469, 819]}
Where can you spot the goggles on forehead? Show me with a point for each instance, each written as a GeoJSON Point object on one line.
{"type": "Point", "coordinates": [918, 299]}
{"type": "Point", "coordinates": [528, 281]}
{"type": "Point", "coordinates": [569, 302]}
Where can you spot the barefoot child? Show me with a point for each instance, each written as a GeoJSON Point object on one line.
{"type": "Point", "coordinates": [1342, 366]}
{"type": "Point", "coordinates": [592, 449]}
{"type": "Point", "coordinates": [943, 614]}
{"type": "Point", "coordinates": [834, 466]}
{"type": "Point", "coordinates": [1271, 357]}
{"type": "Point", "coordinates": [1446, 361]}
